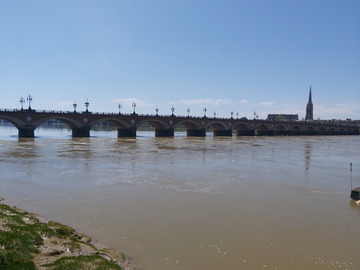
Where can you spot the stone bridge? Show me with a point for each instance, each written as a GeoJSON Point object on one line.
{"type": "Point", "coordinates": [26, 121]}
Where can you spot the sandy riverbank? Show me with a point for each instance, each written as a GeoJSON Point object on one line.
{"type": "Point", "coordinates": [29, 241]}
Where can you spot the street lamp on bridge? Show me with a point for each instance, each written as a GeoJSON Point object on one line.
{"type": "Point", "coordinates": [172, 110]}
{"type": "Point", "coordinates": [119, 106]}
{"type": "Point", "coordinates": [232, 113]}
{"type": "Point", "coordinates": [87, 105]}
{"type": "Point", "coordinates": [157, 111]}
{"type": "Point", "coordinates": [237, 115]}
{"type": "Point", "coordinates": [134, 107]}
{"type": "Point", "coordinates": [188, 111]}
{"type": "Point", "coordinates": [214, 114]}
{"type": "Point", "coordinates": [75, 105]}
{"type": "Point", "coordinates": [255, 115]}
{"type": "Point", "coordinates": [204, 112]}
{"type": "Point", "coordinates": [22, 101]}
{"type": "Point", "coordinates": [29, 99]}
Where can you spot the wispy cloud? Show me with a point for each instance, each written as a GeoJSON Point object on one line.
{"type": "Point", "coordinates": [65, 104]}
{"type": "Point", "coordinates": [267, 103]}
{"type": "Point", "coordinates": [243, 101]}
{"type": "Point", "coordinates": [338, 111]}
{"type": "Point", "coordinates": [351, 107]}
{"type": "Point", "coordinates": [207, 101]}
{"type": "Point", "coordinates": [221, 102]}
{"type": "Point", "coordinates": [195, 101]}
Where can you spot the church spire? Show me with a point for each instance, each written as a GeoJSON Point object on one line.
{"type": "Point", "coordinates": [309, 108]}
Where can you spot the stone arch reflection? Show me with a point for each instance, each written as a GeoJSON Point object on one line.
{"type": "Point", "coordinates": [307, 154]}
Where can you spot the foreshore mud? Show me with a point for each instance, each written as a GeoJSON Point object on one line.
{"type": "Point", "coordinates": [29, 241]}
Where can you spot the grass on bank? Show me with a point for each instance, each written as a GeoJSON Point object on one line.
{"type": "Point", "coordinates": [22, 235]}
{"type": "Point", "coordinates": [86, 262]}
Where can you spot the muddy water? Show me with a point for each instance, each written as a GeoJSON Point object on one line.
{"type": "Point", "coordinates": [195, 203]}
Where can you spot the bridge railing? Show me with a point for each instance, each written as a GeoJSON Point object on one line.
{"type": "Point", "coordinates": [9, 110]}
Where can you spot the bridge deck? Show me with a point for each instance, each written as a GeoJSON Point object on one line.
{"type": "Point", "coordinates": [26, 121]}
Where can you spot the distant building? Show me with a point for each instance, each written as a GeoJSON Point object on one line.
{"type": "Point", "coordinates": [282, 117]}
{"type": "Point", "coordinates": [309, 108]}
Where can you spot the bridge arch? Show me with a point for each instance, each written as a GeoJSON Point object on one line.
{"type": "Point", "coordinates": [281, 129]}
{"type": "Point", "coordinates": [117, 123]}
{"type": "Point", "coordinates": [295, 130]}
{"type": "Point", "coordinates": [78, 129]}
{"type": "Point", "coordinates": [162, 128]}
{"type": "Point", "coordinates": [263, 130]}
{"type": "Point", "coordinates": [309, 130]}
{"type": "Point", "coordinates": [243, 129]}
{"type": "Point", "coordinates": [334, 131]}
{"type": "Point", "coordinates": [27, 129]}
{"type": "Point", "coordinates": [68, 121]}
{"type": "Point", "coordinates": [16, 122]}
{"type": "Point", "coordinates": [322, 130]}
{"type": "Point", "coordinates": [220, 128]}
{"type": "Point", "coordinates": [193, 128]}
{"type": "Point", "coordinates": [217, 125]}
{"type": "Point", "coordinates": [190, 124]}
{"type": "Point", "coordinates": [156, 123]}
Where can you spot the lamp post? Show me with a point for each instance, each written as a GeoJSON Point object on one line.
{"type": "Point", "coordinates": [87, 105]}
{"type": "Point", "coordinates": [157, 111]}
{"type": "Point", "coordinates": [22, 101]}
{"type": "Point", "coordinates": [29, 99]}
{"type": "Point", "coordinates": [75, 105]}
{"type": "Point", "coordinates": [134, 107]}
{"type": "Point", "coordinates": [188, 111]}
{"type": "Point", "coordinates": [214, 114]}
{"type": "Point", "coordinates": [119, 106]}
{"type": "Point", "coordinates": [172, 110]}
{"type": "Point", "coordinates": [254, 115]}
{"type": "Point", "coordinates": [237, 115]}
{"type": "Point", "coordinates": [231, 113]}
{"type": "Point", "coordinates": [204, 112]}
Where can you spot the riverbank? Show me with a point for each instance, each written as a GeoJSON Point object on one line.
{"type": "Point", "coordinates": [29, 241]}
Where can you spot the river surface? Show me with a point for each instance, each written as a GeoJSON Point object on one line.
{"type": "Point", "coordinates": [194, 203]}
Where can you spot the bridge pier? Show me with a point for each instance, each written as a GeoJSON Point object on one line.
{"type": "Point", "coordinates": [27, 132]}
{"type": "Point", "coordinates": [196, 132]}
{"type": "Point", "coordinates": [81, 132]}
{"type": "Point", "coordinates": [126, 132]}
{"type": "Point", "coordinates": [309, 133]}
{"type": "Point", "coordinates": [281, 133]}
{"type": "Point", "coordinates": [264, 132]}
{"type": "Point", "coordinates": [296, 133]}
{"type": "Point", "coordinates": [250, 132]}
{"type": "Point", "coordinates": [223, 132]}
{"type": "Point", "coordinates": [164, 132]}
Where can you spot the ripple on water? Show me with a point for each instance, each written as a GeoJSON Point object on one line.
{"type": "Point", "coordinates": [133, 178]}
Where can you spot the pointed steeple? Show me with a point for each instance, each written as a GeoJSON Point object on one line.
{"type": "Point", "coordinates": [310, 99]}
{"type": "Point", "coordinates": [309, 108]}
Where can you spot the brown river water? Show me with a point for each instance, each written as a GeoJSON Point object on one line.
{"type": "Point", "coordinates": [195, 203]}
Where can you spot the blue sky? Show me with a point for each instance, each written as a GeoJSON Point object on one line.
{"type": "Point", "coordinates": [240, 56]}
